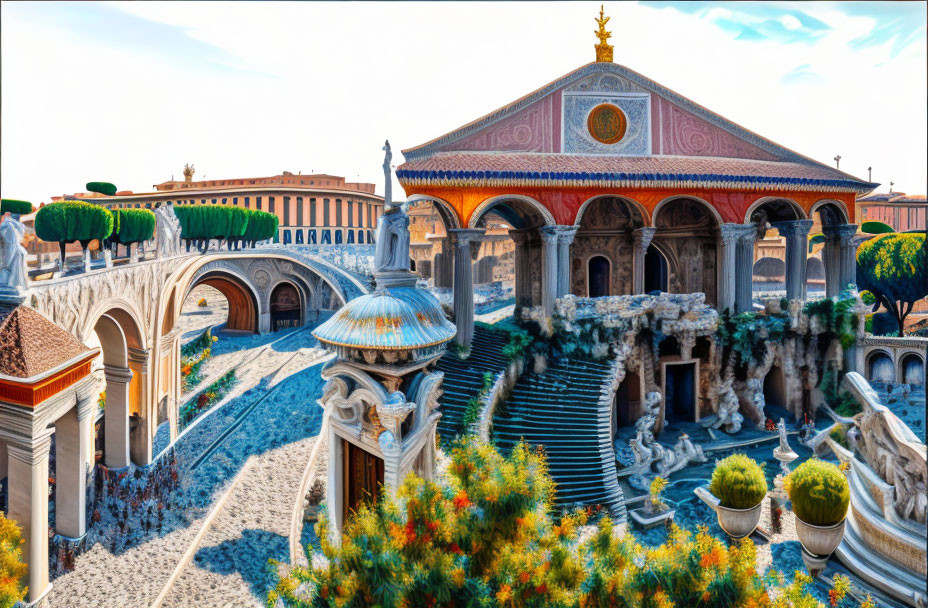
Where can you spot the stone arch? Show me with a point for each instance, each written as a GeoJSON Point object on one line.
{"type": "Point", "coordinates": [447, 212]}
{"type": "Point", "coordinates": [880, 366]}
{"type": "Point", "coordinates": [287, 305]}
{"type": "Point", "coordinates": [644, 219]}
{"type": "Point", "coordinates": [661, 206]}
{"type": "Point", "coordinates": [656, 268]}
{"type": "Point", "coordinates": [686, 235]}
{"type": "Point", "coordinates": [114, 350]}
{"type": "Point", "coordinates": [833, 212]}
{"type": "Point", "coordinates": [243, 299]}
{"type": "Point", "coordinates": [912, 368]}
{"type": "Point", "coordinates": [769, 267]}
{"type": "Point", "coordinates": [776, 208]}
{"type": "Point", "coordinates": [126, 314]}
{"type": "Point", "coordinates": [167, 319]}
{"type": "Point", "coordinates": [519, 210]}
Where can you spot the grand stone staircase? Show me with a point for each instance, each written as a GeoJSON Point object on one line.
{"type": "Point", "coordinates": [464, 378]}
{"type": "Point", "coordinates": [561, 410]}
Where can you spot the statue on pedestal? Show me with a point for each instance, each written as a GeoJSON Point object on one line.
{"type": "Point", "coordinates": [12, 254]}
{"type": "Point", "coordinates": [392, 251]}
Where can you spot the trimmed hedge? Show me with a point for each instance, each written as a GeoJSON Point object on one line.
{"type": "Point", "coordinates": [131, 226]}
{"type": "Point", "coordinates": [69, 221]}
{"type": "Point", "coordinates": [101, 188]}
{"type": "Point", "coordinates": [205, 222]}
{"type": "Point", "coordinates": [15, 206]}
{"type": "Point", "coordinates": [876, 228]}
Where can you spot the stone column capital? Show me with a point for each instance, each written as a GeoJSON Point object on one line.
{"type": "Point", "coordinates": [642, 236]}
{"type": "Point", "coordinates": [843, 233]}
{"type": "Point", "coordinates": [791, 228]}
{"type": "Point", "coordinates": [30, 450]}
{"type": "Point", "coordinates": [465, 236]}
{"type": "Point", "coordinates": [117, 373]}
{"type": "Point", "coordinates": [729, 234]}
{"type": "Point", "coordinates": [549, 234]}
{"type": "Point", "coordinates": [566, 234]}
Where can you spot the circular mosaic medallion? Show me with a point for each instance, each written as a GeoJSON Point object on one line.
{"type": "Point", "coordinates": [607, 123]}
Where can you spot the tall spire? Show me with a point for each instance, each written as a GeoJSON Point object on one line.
{"type": "Point", "coordinates": [603, 49]}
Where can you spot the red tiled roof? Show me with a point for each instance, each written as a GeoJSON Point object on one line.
{"type": "Point", "coordinates": [31, 344]}
{"type": "Point", "coordinates": [510, 169]}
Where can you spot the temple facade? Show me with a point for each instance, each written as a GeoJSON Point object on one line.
{"type": "Point", "coordinates": [614, 184]}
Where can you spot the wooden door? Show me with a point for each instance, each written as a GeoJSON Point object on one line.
{"type": "Point", "coordinates": [363, 477]}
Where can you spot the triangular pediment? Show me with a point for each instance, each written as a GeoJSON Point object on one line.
{"type": "Point", "coordinates": [658, 121]}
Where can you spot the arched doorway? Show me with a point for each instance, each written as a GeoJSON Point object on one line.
{"type": "Point", "coordinates": [775, 388]}
{"type": "Point", "coordinates": [599, 272]}
{"type": "Point", "coordinates": [769, 251]}
{"type": "Point", "coordinates": [286, 307]}
{"type": "Point", "coordinates": [686, 236]}
{"type": "Point", "coordinates": [604, 243]}
{"type": "Point", "coordinates": [242, 312]}
{"type": "Point", "coordinates": [627, 402]}
{"type": "Point", "coordinates": [912, 370]}
{"type": "Point", "coordinates": [880, 368]}
{"type": "Point", "coordinates": [655, 271]}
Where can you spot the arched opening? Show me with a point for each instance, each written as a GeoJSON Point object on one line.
{"type": "Point", "coordinates": [627, 404]}
{"type": "Point", "coordinates": [880, 368]}
{"type": "Point", "coordinates": [604, 243]}
{"type": "Point", "coordinates": [598, 276]}
{"type": "Point", "coordinates": [775, 390]}
{"type": "Point", "coordinates": [769, 277]}
{"type": "Point", "coordinates": [412, 265]}
{"type": "Point", "coordinates": [286, 307]}
{"type": "Point", "coordinates": [686, 234]}
{"type": "Point", "coordinates": [912, 370]}
{"type": "Point", "coordinates": [655, 271]}
{"type": "Point", "coordinates": [815, 275]}
{"type": "Point", "coordinates": [121, 433]}
{"type": "Point", "coordinates": [242, 305]}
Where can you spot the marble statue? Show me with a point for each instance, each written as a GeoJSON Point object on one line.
{"type": "Point", "coordinates": [168, 231]}
{"type": "Point", "coordinates": [783, 452]}
{"type": "Point", "coordinates": [684, 452]}
{"type": "Point", "coordinates": [12, 254]}
{"type": "Point", "coordinates": [387, 177]}
{"type": "Point", "coordinates": [728, 418]}
{"type": "Point", "coordinates": [392, 250]}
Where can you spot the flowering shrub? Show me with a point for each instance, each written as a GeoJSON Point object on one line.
{"type": "Point", "coordinates": [486, 537]}
{"type": "Point", "coordinates": [12, 568]}
{"type": "Point", "coordinates": [206, 399]}
{"type": "Point", "coordinates": [193, 355]}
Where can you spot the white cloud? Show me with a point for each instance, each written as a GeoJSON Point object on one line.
{"type": "Point", "coordinates": [790, 22]}
{"type": "Point", "coordinates": [319, 86]}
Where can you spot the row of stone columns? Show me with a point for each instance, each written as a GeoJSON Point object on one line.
{"type": "Point", "coordinates": [28, 438]}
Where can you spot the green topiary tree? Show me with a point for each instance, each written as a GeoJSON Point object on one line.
{"type": "Point", "coordinates": [894, 268]}
{"type": "Point", "coordinates": [70, 221]}
{"type": "Point", "coordinates": [238, 224]}
{"type": "Point", "coordinates": [131, 226]}
{"type": "Point", "coordinates": [101, 188]}
{"type": "Point", "coordinates": [819, 492]}
{"type": "Point", "coordinates": [261, 226]}
{"type": "Point", "coordinates": [10, 205]}
{"type": "Point", "coordinates": [876, 228]}
{"type": "Point", "coordinates": [12, 568]}
{"type": "Point", "coordinates": [738, 482]}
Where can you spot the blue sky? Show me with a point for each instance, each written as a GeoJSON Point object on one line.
{"type": "Point", "coordinates": [129, 92]}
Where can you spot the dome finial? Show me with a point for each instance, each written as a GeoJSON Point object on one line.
{"type": "Point", "coordinates": [603, 49]}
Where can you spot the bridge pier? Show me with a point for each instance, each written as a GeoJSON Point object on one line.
{"type": "Point", "coordinates": [116, 416]}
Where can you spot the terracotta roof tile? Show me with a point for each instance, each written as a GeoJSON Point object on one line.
{"type": "Point", "coordinates": [31, 344]}
{"type": "Point", "coordinates": [505, 169]}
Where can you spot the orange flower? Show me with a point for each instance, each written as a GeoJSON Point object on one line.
{"type": "Point", "coordinates": [461, 501]}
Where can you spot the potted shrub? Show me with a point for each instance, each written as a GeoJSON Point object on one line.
{"type": "Point", "coordinates": [820, 495]}
{"type": "Point", "coordinates": [736, 493]}
{"type": "Point", "coordinates": [655, 510]}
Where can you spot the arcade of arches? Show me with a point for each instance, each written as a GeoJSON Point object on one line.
{"type": "Point", "coordinates": [615, 247]}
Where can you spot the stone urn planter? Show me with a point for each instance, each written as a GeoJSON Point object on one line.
{"type": "Point", "coordinates": [818, 542]}
{"type": "Point", "coordinates": [737, 523]}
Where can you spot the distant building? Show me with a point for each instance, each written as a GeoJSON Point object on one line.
{"type": "Point", "coordinates": [904, 212]}
{"type": "Point", "coordinates": [313, 209]}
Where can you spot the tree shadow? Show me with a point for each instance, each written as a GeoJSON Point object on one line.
{"type": "Point", "coordinates": [248, 556]}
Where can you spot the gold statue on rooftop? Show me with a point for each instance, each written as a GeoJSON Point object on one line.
{"type": "Point", "coordinates": [188, 173]}
{"type": "Point", "coordinates": [603, 49]}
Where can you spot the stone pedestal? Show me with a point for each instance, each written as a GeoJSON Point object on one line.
{"type": "Point", "coordinates": [549, 237]}
{"type": "Point", "coordinates": [641, 241]}
{"type": "Point", "coordinates": [796, 233]}
{"type": "Point", "coordinates": [116, 416]}
{"type": "Point", "coordinates": [464, 284]}
{"type": "Point", "coordinates": [28, 506]}
{"type": "Point", "coordinates": [565, 236]}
